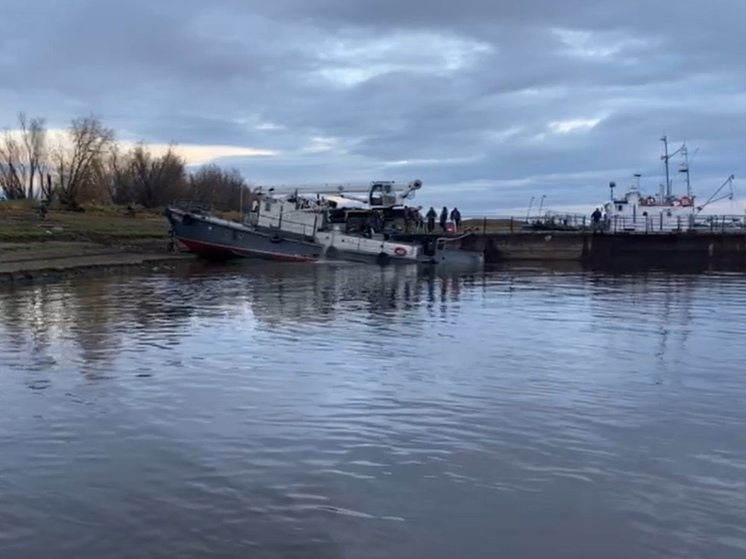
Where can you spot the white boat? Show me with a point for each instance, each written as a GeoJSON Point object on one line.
{"type": "Point", "coordinates": [636, 211]}
{"type": "Point", "coordinates": [306, 224]}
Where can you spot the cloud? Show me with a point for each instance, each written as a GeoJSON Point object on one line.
{"type": "Point", "coordinates": [489, 103]}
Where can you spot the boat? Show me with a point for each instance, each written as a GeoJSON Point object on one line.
{"type": "Point", "coordinates": [319, 225]}
{"type": "Point", "coordinates": [636, 211]}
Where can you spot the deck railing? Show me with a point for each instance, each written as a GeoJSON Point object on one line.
{"type": "Point", "coordinates": [616, 224]}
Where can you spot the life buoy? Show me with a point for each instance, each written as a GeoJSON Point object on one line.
{"type": "Point", "coordinates": [686, 201]}
{"type": "Point", "coordinates": [676, 202]}
{"type": "Point", "coordinates": [275, 238]}
{"type": "Point", "coordinates": [400, 251]}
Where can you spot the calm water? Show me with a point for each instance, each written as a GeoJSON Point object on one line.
{"type": "Point", "coordinates": [353, 412]}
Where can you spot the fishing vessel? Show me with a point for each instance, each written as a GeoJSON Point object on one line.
{"type": "Point", "coordinates": [636, 211]}
{"type": "Point", "coordinates": [321, 224]}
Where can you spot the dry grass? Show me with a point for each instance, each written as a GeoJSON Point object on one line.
{"type": "Point", "coordinates": [20, 222]}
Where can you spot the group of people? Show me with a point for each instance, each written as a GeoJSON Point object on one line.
{"type": "Point", "coordinates": [428, 221]}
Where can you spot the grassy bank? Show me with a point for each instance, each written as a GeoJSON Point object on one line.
{"type": "Point", "coordinates": [20, 222]}
{"type": "Point", "coordinates": [99, 240]}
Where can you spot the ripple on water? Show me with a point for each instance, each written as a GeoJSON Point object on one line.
{"type": "Point", "coordinates": [340, 411]}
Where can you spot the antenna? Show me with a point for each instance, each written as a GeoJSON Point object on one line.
{"type": "Point", "coordinates": [665, 158]}
{"type": "Point", "coordinates": [685, 169]}
{"type": "Point", "coordinates": [612, 185]}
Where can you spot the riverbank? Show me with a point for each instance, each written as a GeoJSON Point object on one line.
{"type": "Point", "coordinates": [100, 240]}
{"type": "Point", "coordinates": [34, 262]}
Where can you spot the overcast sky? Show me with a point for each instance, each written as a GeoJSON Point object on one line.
{"type": "Point", "coordinates": [489, 102]}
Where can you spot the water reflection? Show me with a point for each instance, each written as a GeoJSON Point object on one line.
{"type": "Point", "coordinates": [94, 315]}
{"type": "Point", "coordinates": [351, 411]}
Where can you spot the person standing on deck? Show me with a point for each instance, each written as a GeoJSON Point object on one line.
{"type": "Point", "coordinates": [596, 218]}
{"type": "Point", "coordinates": [443, 219]}
{"type": "Point", "coordinates": [456, 218]}
{"type": "Point", "coordinates": [431, 215]}
{"type": "Point", "coordinates": [419, 220]}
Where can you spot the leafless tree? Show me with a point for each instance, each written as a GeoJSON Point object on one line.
{"type": "Point", "coordinates": [156, 180]}
{"type": "Point", "coordinates": [77, 160]}
{"type": "Point", "coordinates": [22, 157]}
{"type": "Point", "coordinates": [34, 138]}
{"type": "Point", "coordinates": [219, 187]}
{"type": "Point", "coordinates": [12, 169]}
{"type": "Point", "coordinates": [87, 165]}
{"type": "Point", "coordinates": [138, 176]}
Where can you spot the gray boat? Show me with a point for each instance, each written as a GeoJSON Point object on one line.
{"type": "Point", "coordinates": [327, 225]}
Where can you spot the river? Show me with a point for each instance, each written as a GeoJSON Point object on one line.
{"type": "Point", "coordinates": [330, 412]}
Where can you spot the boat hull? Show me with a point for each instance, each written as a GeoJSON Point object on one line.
{"type": "Point", "coordinates": [215, 240]}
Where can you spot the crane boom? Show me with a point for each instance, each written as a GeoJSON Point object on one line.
{"type": "Point", "coordinates": [330, 187]}
{"type": "Point", "coordinates": [377, 193]}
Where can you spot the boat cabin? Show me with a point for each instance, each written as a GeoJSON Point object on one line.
{"type": "Point", "coordinates": [382, 209]}
{"type": "Point", "coordinates": [635, 211]}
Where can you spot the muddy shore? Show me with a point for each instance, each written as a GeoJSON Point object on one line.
{"type": "Point", "coordinates": [30, 262]}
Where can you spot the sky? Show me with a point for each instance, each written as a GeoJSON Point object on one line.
{"type": "Point", "coordinates": [487, 102]}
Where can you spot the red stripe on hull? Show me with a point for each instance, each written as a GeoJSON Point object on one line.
{"type": "Point", "coordinates": [218, 250]}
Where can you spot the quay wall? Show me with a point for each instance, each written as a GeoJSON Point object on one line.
{"type": "Point", "coordinates": [608, 248]}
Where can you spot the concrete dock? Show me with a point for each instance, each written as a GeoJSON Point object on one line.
{"type": "Point", "coordinates": [696, 247]}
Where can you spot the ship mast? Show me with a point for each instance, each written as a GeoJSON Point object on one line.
{"type": "Point", "coordinates": [685, 169]}
{"type": "Point", "coordinates": [665, 158]}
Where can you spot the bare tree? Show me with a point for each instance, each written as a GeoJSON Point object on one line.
{"type": "Point", "coordinates": [76, 161]}
{"type": "Point", "coordinates": [22, 158]}
{"type": "Point", "coordinates": [219, 187]}
{"type": "Point", "coordinates": [138, 176]}
{"type": "Point", "coordinates": [47, 187]}
{"type": "Point", "coordinates": [12, 168]}
{"type": "Point", "coordinates": [156, 179]}
{"type": "Point", "coordinates": [87, 165]}
{"type": "Point", "coordinates": [34, 138]}
{"type": "Point", "coordinates": [121, 187]}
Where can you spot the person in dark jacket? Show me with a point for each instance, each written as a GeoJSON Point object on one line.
{"type": "Point", "coordinates": [431, 215]}
{"type": "Point", "coordinates": [596, 219]}
{"type": "Point", "coordinates": [456, 218]}
{"type": "Point", "coordinates": [443, 219]}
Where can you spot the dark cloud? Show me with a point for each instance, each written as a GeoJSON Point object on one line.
{"type": "Point", "coordinates": [499, 100]}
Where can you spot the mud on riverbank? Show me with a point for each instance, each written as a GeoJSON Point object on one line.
{"type": "Point", "coordinates": [55, 260]}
